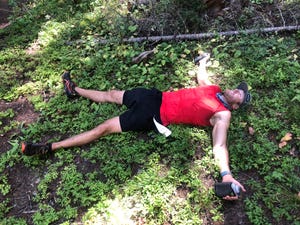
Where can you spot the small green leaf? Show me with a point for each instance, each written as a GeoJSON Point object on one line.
{"type": "Point", "coordinates": [132, 28]}
{"type": "Point", "coordinates": [237, 54]}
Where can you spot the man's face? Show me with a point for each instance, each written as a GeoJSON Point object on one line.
{"type": "Point", "coordinates": [234, 97]}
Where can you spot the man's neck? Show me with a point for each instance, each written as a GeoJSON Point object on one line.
{"type": "Point", "coordinates": [221, 97]}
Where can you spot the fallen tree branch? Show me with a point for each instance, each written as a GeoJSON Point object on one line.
{"type": "Point", "coordinates": [209, 35]}
{"type": "Point", "coordinates": [199, 36]}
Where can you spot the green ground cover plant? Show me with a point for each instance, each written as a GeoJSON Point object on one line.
{"type": "Point", "coordinates": [143, 178]}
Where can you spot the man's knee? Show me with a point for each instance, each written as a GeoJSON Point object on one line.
{"type": "Point", "coordinates": [109, 126]}
{"type": "Point", "coordinates": [116, 96]}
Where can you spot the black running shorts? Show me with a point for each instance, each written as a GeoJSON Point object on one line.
{"type": "Point", "coordinates": [143, 104]}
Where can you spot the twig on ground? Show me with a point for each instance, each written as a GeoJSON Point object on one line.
{"type": "Point", "coordinates": [142, 56]}
{"type": "Point", "coordinates": [280, 12]}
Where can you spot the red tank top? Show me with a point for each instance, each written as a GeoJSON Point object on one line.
{"type": "Point", "coordinates": [194, 106]}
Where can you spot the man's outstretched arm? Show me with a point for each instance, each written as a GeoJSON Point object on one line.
{"type": "Point", "coordinates": [220, 122]}
{"type": "Point", "coordinates": [202, 74]}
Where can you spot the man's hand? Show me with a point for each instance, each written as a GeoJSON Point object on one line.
{"type": "Point", "coordinates": [229, 178]}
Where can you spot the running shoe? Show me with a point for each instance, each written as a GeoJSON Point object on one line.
{"type": "Point", "coordinates": [69, 85]}
{"type": "Point", "coordinates": [30, 149]}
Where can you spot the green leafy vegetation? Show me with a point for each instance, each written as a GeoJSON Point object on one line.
{"type": "Point", "coordinates": [141, 177]}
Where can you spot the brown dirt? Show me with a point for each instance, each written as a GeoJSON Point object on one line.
{"type": "Point", "coordinates": [23, 181]}
{"type": "Point", "coordinates": [234, 212]}
{"type": "Point", "coordinates": [4, 13]}
{"type": "Point", "coordinates": [23, 114]}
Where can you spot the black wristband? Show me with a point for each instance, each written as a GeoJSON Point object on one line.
{"type": "Point", "coordinates": [224, 173]}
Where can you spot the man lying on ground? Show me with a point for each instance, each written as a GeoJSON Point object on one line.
{"type": "Point", "coordinates": [151, 109]}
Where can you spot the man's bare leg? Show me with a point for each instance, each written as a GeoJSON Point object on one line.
{"type": "Point", "coordinates": [113, 96]}
{"type": "Point", "coordinates": [109, 126]}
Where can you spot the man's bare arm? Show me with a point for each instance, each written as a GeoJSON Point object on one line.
{"type": "Point", "coordinates": [220, 122]}
{"type": "Point", "coordinates": [202, 75]}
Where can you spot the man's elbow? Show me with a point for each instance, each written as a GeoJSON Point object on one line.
{"type": "Point", "coordinates": [219, 148]}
